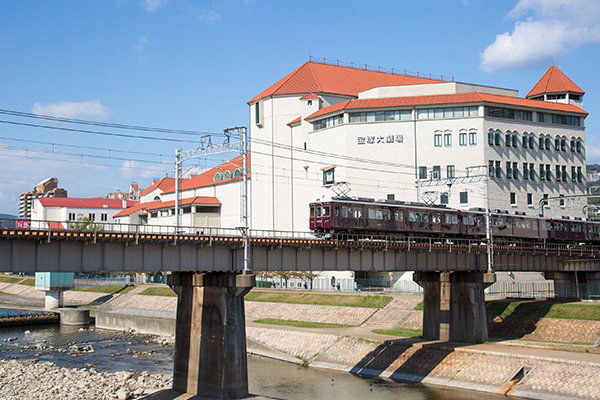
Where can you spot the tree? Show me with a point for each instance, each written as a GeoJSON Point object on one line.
{"type": "Point", "coordinates": [309, 276]}
{"type": "Point", "coordinates": [84, 224]}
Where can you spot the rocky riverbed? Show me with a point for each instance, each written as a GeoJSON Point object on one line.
{"type": "Point", "coordinates": [31, 379]}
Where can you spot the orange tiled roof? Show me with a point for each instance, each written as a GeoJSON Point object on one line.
{"type": "Point", "coordinates": [190, 200]}
{"type": "Point", "coordinates": [136, 207]}
{"type": "Point", "coordinates": [74, 202]}
{"type": "Point", "coordinates": [163, 184]}
{"type": "Point", "coordinates": [312, 77]}
{"type": "Point", "coordinates": [444, 99]}
{"type": "Point", "coordinates": [207, 178]}
{"type": "Point", "coordinates": [310, 96]}
{"type": "Point", "coordinates": [553, 81]}
{"type": "Point", "coordinates": [295, 121]}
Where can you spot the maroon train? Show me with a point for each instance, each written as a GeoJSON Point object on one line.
{"type": "Point", "coordinates": [366, 216]}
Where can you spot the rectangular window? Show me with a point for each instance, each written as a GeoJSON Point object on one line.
{"type": "Point", "coordinates": [450, 171]}
{"type": "Point", "coordinates": [437, 140]}
{"type": "Point", "coordinates": [531, 171]}
{"type": "Point", "coordinates": [447, 139]}
{"type": "Point", "coordinates": [557, 144]}
{"type": "Point", "coordinates": [564, 173]}
{"type": "Point", "coordinates": [257, 113]}
{"type": "Point", "coordinates": [498, 169]}
{"type": "Point", "coordinates": [508, 139]}
{"type": "Point", "coordinates": [437, 172]}
{"type": "Point", "coordinates": [391, 197]}
{"type": "Point", "coordinates": [558, 175]}
{"type": "Point", "coordinates": [328, 176]}
{"type": "Point", "coordinates": [541, 143]}
{"type": "Point", "coordinates": [462, 139]}
{"type": "Point", "coordinates": [542, 172]}
{"type": "Point", "coordinates": [508, 170]}
{"type": "Point", "coordinates": [532, 142]}
{"type": "Point", "coordinates": [574, 174]}
{"type": "Point", "coordinates": [515, 171]}
{"type": "Point", "coordinates": [371, 213]}
{"type": "Point", "coordinates": [473, 138]}
{"type": "Point", "coordinates": [515, 140]}
{"type": "Point", "coordinates": [525, 141]}
{"type": "Point", "coordinates": [464, 197]}
{"type": "Point", "coordinates": [103, 217]}
{"type": "Point", "coordinates": [548, 173]}
{"type": "Point", "coordinates": [492, 169]}
{"type": "Point", "coordinates": [548, 143]}
{"type": "Point", "coordinates": [444, 198]}
{"type": "Point", "coordinates": [497, 138]}
{"type": "Point", "coordinates": [525, 170]}
{"type": "Point", "coordinates": [92, 216]}
{"type": "Point", "coordinates": [562, 201]}
{"type": "Point", "coordinates": [422, 172]}
{"type": "Point", "coordinates": [579, 175]}
{"type": "Point", "coordinates": [579, 146]}
{"type": "Point", "coordinates": [573, 145]}
{"type": "Point", "coordinates": [72, 217]}
{"type": "Point", "coordinates": [529, 199]}
{"type": "Point", "coordinates": [563, 144]}
{"type": "Point", "coordinates": [513, 198]}
{"type": "Point", "coordinates": [491, 138]}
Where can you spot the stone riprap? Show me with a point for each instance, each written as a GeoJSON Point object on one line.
{"type": "Point", "coordinates": [308, 313]}
{"type": "Point", "coordinates": [435, 364]}
{"type": "Point", "coordinates": [304, 345]}
{"type": "Point", "coordinates": [33, 380]}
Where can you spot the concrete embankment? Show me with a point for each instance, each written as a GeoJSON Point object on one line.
{"type": "Point", "coordinates": [29, 319]}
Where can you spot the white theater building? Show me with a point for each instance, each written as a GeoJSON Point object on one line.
{"type": "Point", "coordinates": [379, 132]}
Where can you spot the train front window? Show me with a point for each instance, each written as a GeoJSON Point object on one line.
{"type": "Point", "coordinates": [318, 210]}
{"type": "Point", "coordinates": [326, 211]}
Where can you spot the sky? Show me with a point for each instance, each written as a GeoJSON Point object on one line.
{"type": "Point", "coordinates": [193, 65]}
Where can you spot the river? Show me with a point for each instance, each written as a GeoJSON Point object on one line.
{"type": "Point", "coordinates": [119, 351]}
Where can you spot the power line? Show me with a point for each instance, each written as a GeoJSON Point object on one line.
{"type": "Point", "coordinates": [105, 124]}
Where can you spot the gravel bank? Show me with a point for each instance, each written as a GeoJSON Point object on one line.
{"type": "Point", "coordinates": [34, 380]}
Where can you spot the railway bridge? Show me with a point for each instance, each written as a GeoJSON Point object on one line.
{"type": "Point", "coordinates": [206, 271]}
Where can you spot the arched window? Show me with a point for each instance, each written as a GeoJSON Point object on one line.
{"type": "Point", "coordinates": [532, 141]}
{"type": "Point", "coordinates": [237, 173]}
{"type": "Point", "coordinates": [218, 177]}
{"type": "Point", "coordinates": [156, 198]}
{"type": "Point", "coordinates": [227, 175]}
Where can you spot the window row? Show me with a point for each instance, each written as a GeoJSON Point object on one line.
{"type": "Point", "coordinates": [527, 140]}
{"type": "Point", "coordinates": [513, 199]}
{"type": "Point", "coordinates": [436, 172]}
{"type": "Point", "coordinates": [328, 122]}
{"type": "Point", "coordinates": [380, 116]}
{"type": "Point", "coordinates": [529, 171]}
{"type": "Point", "coordinates": [219, 176]}
{"type": "Point", "coordinates": [448, 112]}
{"type": "Point", "coordinates": [509, 113]}
{"type": "Point", "coordinates": [462, 139]}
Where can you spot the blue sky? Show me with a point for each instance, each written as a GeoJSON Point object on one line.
{"type": "Point", "coordinates": [193, 65]}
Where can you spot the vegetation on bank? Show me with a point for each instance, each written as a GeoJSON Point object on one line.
{"type": "Point", "coordinates": [544, 309]}
{"type": "Point", "coordinates": [110, 289]}
{"type": "Point", "coordinates": [402, 332]}
{"type": "Point", "coordinates": [28, 282]}
{"type": "Point", "coordinates": [9, 279]}
{"type": "Point", "coordinates": [318, 299]}
{"type": "Point", "coordinates": [159, 291]}
{"type": "Point", "coordinates": [300, 324]}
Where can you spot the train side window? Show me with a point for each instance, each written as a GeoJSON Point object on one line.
{"type": "Point", "coordinates": [386, 214]}
{"type": "Point", "coordinates": [518, 223]}
{"type": "Point", "coordinates": [318, 211]}
{"type": "Point", "coordinates": [312, 212]}
{"type": "Point", "coordinates": [436, 218]}
{"type": "Point", "coordinates": [379, 214]}
{"type": "Point", "coordinates": [345, 212]}
{"type": "Point", "coordinates": [527, 225]}
{"type": "Point", "coordinates": [358, 213]}
{"type": "Point", "coordinates": [575, 228]}
{"type": "Point", "coordinates": [326, 211]}
{"type": "Point", "coordinates": [337, 211]}
{"type": "Point", "coordinates": [412, 217]}
{"type": "Point", "coordinates": [452, 219]}
{"type": "Point", "coordinates": [509, 222]}
{"type": "Point", "coordinates": [425, 217]}
{"type": "Point", "coordinates": [371, 213]}
{"type": "Point", "coordinates": [398, 215]}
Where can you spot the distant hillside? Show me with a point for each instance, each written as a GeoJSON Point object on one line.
{"type": "Point", "coordinates": [7, 224]}
{"type": "Point", "coordinates": [8, 216]}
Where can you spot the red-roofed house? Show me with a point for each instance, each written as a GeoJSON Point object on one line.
{"type": "Point", "coordinates": [382, 131]}
{"type": "Point", "coordinates": [63, 209]}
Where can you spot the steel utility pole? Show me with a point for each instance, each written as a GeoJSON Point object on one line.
{"type": "Point", "coordinates": [206, 148]}
{"type": "Point", "coordinates": [478, 177]}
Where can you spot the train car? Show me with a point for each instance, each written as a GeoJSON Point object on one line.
{"type": "Point", "coordinates": [367, 216]}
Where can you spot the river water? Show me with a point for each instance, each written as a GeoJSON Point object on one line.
{"type": "Point", "coordinates": [119, 351]}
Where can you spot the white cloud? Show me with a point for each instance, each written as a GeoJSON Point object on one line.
{"type": "Point", "coordinates": [144, 172]}
{"type": "Point", "coordinates": [91, 109]}
{"type": "Point", "coordinates": [550, 30]}
{"type": "Point", "coordinates": [140, 47]}
{"type": "Point", "coordinates": [209, 16]}
{"type": "Point", "coordinates": [250, 2]}
{"type": "Point", "coordinates": [153, 5]}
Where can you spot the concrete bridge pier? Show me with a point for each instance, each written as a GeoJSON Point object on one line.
{"type": "Point", "coordinates": [454, 305]}
{"type": "Point", "coordinates": [210, 342]}
{"type": "Point", "coordinates": [565, 284]}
